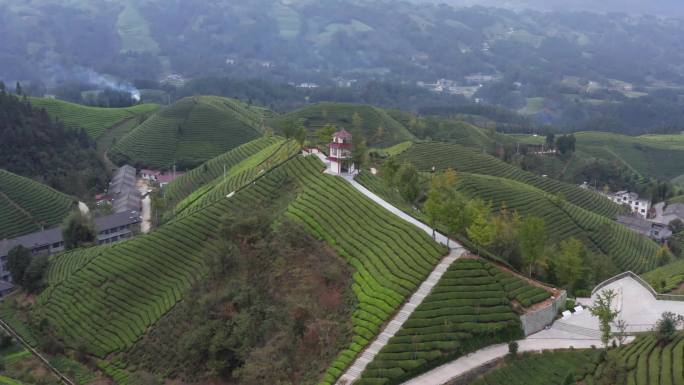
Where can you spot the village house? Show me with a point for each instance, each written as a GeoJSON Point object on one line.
{"type": "Point", "coordinates": [340, 156]}
{"type": "Point", "coordinates": [637, 205]}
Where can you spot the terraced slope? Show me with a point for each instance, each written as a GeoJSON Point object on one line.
{"type": "Point", "coordinates": [107, 297]}
{"type": "Point", "coordinates": [189, 182]}
{"type": "Point", "coordinates": [425, 156]}
{"type": "Point", "coordinates": [316, 116]}
{"type": "Point", "coordinates": [95, 120]}
{"type": "Point", "coordinates": [189, 132]}
{"type": "Point", "coordinates": [26, 205]}
{"type": "Point", "coordinates": [602, 236]}
{"type": "Point", "coordinates": [238, 176]}
{"type": "Point", "coordinates": [656, 156]}
{"type": "Point", "coordinates": [649, 363]}
{"type": "Point", "coordinates": [548, 368]}
{"type": "Point", "coordinates": [391, 257]}
{"type": "Point", "coordinates": [470, 308]}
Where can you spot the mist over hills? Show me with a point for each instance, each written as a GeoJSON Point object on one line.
{"type": "Point", "coordinates": [666, 8]}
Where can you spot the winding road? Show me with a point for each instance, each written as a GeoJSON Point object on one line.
{"type": "Point", "coordinates": [553, 338]}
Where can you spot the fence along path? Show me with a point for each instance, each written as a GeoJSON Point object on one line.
{"type": "Point", "coordinates": [354, 371]}
{"type": "Point", "coordinates": [66, 380]}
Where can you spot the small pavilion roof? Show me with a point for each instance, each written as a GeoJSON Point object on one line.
{"type": "Point", "coordinates": [343, 134]}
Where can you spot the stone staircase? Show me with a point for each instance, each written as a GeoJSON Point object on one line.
{"type": "Point", "coordinates": [354, 371]}
{"type": "Point", "coordinates": [579, 330]}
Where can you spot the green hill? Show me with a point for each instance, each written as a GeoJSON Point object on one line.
{"type": "Point", "coordinates": [190, 182]}
{"type": "Point", "coordinates": [626, 249]}
{"type": "Point", "coordinates": [547, 368]}
{"type": "Point", "coordinates": [470, 308]}
{"type": "Point", "coordinates": [27, 206]}
{"type": "Point", "coordinates": [378, 126]}
{"type": "Point", "coordinates": [189, 132]}
{"type": "Point", "coordinates": [95, 120]}
{"type": "Point", "coordinates": [441, 156]}
{"type": "Point", "coordinates": [656, 156]}
{"type": "Point", "coordinates": [126, 288]}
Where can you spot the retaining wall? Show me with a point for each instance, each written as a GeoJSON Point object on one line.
{"type": "Point", "coordinates": [539, 319]}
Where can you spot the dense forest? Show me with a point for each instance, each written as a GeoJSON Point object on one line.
{"type": "Point", "coordinates": [33, 145]}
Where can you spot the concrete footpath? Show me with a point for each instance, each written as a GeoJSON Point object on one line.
{"type": "Point", "coordinates": [547, 339]}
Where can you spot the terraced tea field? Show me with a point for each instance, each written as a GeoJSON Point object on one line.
{"type": "Point", "coordinates": [317, 115]}
{"type": "Point", "coordinates": [391, 257]}
{"type": "Point", "coordinates": [126, 287]}
{"type": "Point", "coordinates": [548, 368]}
{"type": "Point", "coordinates": [470, 308]}
{"type": "Point", "coordinates": [627, 249]}
{"type": "Point", "coordinates": [238, 176]}
{"type": "Point", "coordinates": [27, 206]}
{"type": "Point", "coordinates": [441, 156]}
{"type": "Point", "coordinates": [189, 132]}
{"type": "Point", "coordinates": [191, 181]}
{"type": "Point", "coordinates": [649, 363]}
{"type": "Point", "coordinates": [94, 120]}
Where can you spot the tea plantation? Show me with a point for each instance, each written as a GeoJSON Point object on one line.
{"type": "Point", "coordinates": [441, 156]}
{"type": "Point", "coordinates": [627, 249]}
{"type": "Point", "coordinates": [470, 308]}
{"type": "Point", "coordinates": [238, 176]}
{"type": "Point", "coordinates": [317, 115]}
{"type": "Point", "coordinates": [189, 132]}
{"type": "Point", "coordinates": [27, 206]}
{"type": "Point", "coordinates": [548, 368]}
{"type": "Point", "coordinates": [646, 362]}
{"type": "Point", "coordinates": [94, 120]}
{"type": "Point", "coordinates": [188, 183]}
{"type": "Point", "coordinates": [391, 257]}
{"type": "Point", "coordinates": [106, 297]}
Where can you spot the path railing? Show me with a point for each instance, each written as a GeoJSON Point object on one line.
{"type": "Point", "coordinates": [66, 380]}
{"type": "Point", "coordinates": [640, 281]}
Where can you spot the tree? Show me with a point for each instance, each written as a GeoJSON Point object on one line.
{"type": "Point", "coordinates": [551, 141]}
{"type": "Point", "coordinates": [443, 205]}
{"type": "Point", "coordinates": [676, 225]}
{"type": "Point", "coordinates": [325, 133]}
{"type": "Point", "coordinates": [513, 348]}
{"type": "Point", "coordinates": [360, 149]}
{"type": "Point", "coordinates": [603, 309]}
{"type": "Point", "coordinates": [481, 230]}
{"type": "Point", "coordinates": [357, 122]}
{"type": "Point", "coordinates": [291, 126]}
{"type": "Point", "coordinates": [388, 171]}
{"type": "Point", "coordinates": [33, 280]}
{"type": "Point", "coordinates": [507, 240]}
{"type": "Point", "coordinates": [18, 89]}
{"type": "Point", "coordinates": [621, 326]}
{"type": "Point", "coordinates": [18, 260]}
{"type": "Point", "coordinates": [569, 262]}
{"type": "Point", "coordinates": [300, 136]}
{"type": "Point", "coordinates": [666, 327]}
{"type": "Point", "coordinates": [407, 181]}
{"type": "Point", "coordinates": [532, 241]}
{"type": "Point", "coordinates": [78, 230]}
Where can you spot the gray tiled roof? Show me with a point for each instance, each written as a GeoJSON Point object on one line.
{"type": "Point", "coordinates": [123, 190]}
{"type": "Point", "coordinates": [48, 237]}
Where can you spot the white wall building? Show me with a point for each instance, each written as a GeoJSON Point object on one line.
{"type": "Point", "coordinates": [638, 206]}
{"type": "Point", "coordinates": [341, 153]}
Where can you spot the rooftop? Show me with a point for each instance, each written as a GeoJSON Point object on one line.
{"type": "Point", "coordinates": [343, 134]}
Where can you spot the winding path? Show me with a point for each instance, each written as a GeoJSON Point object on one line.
{"type": "Point", "coordinates": [354, 371]}
{"type": "Point", "coordinates": [553, 338]}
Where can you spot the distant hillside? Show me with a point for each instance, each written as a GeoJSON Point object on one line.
{"type": "Point", "coordinates": [27, 206]}
{"type": "Point", "coordinates": [441, 156]}
{"type": "Point", "coordinates": [189, 132]}
{"type": "Point", "coordinates": [626, 249]}
{"type": "Point", "coordinates": [95, 120]}
{"type": "Point", "coordinates": [656, 156]}
{"type": "Point", "coordinates": [377, 125]}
